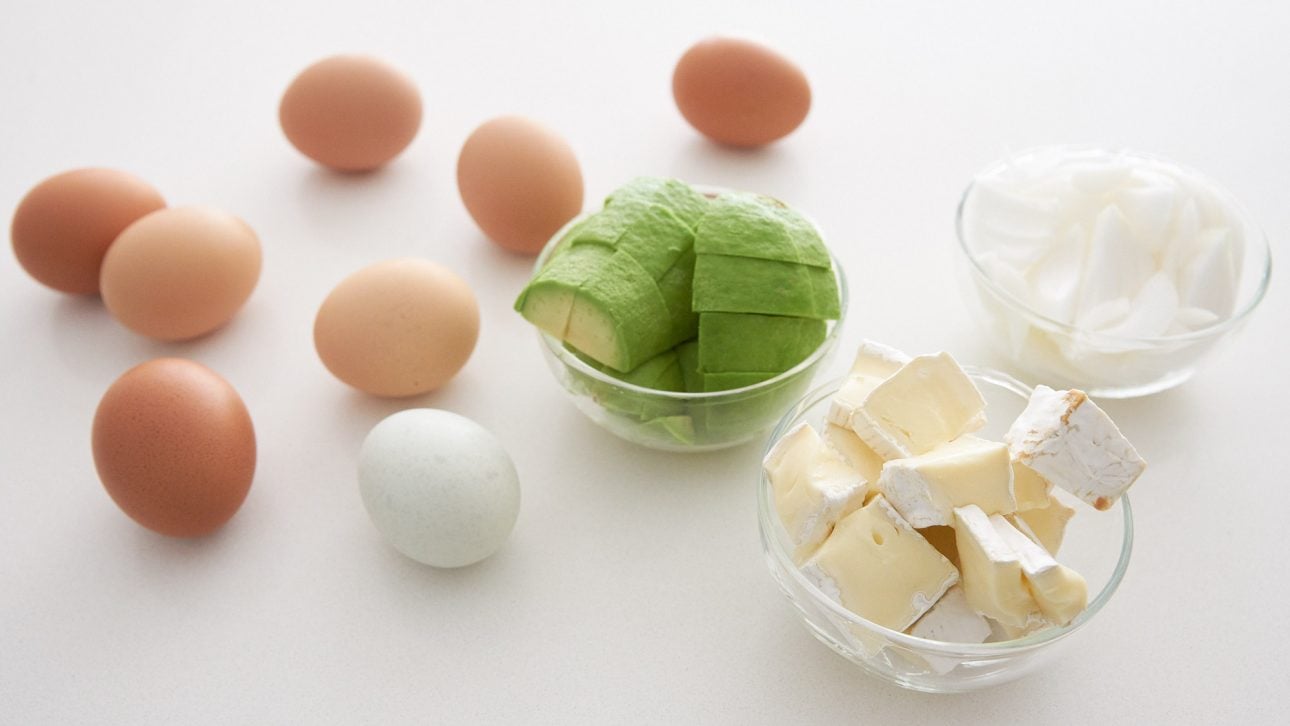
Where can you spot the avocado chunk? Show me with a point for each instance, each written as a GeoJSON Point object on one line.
{"type": "Point", "coordinates": [565, 241]}
{"type": "Point", "coordinates": [723, 283]}
{"type": "Point", "coordinates": [683, 201]}
{"type": "Point", "coordinates": [751, 225]}
{"type": "Point", "coordinates": [746, 343]}
{"type": "Point", "coordinates": [687, 354]}
{"type": "Point", "coordinates": [678, 429]}
{"type": "Point", "coordinates": [618, 316]}
{"type": "Point", "coordinates": [632, 202]}
{"type": "Point", "coordinates": [660, 373]}
{"type": "Point", "coordinates": [677, 288]}
{"type": "Point", "coordinates": [696, 381]}
{"type": "Point", "coordinates": [733, 379]}
{"type": "Point", "coordinates": [548, 300]}
{"type": "Point", "coordinates": [657, 240]}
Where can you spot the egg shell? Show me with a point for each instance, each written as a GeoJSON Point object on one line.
{"type": "Point", "coordinates": [63, 227]}
{"type": "Point", "coordinates": [174, 447]}
{"type": "Point", "coordinates": [397, 328]}
{"type": "Point", "coordinates": [520, 182]}
{"type": "Point", "coordinates": [351, 113]}
{"type": "Point", "coordinates": [740, 93]}
{"type": "Point", "coordinates": [439, 487]}
{"type": "Point", "coordinates": [180, 273]}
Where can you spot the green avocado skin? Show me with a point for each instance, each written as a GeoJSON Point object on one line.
{"type": "Point", "coordinates": [633, 202]}
{"type": "Point", "coordinates": [656, 239]}
{"type": "Point", "coordinates": [745, 343]}
{"type": "Point", "coordinates": [687, 204]}
{"type": "Point", "coordinates": [749, 285]}
{"type": "Point", "coordinates": [751, 225]}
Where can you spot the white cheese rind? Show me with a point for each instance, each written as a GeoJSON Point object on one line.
{"type": "Point", "coordinates": [952, 620]}
{"type": "Point", "coordinates": [849, 397]}
{"type": "Point", "coordinates": [1060, 591]}
{"type": "Point", "coordinates": [877, 360]}
{"type": "Point", "coordinates": [1070, 442]}
{"type": "Point", "coordinates": [928, 402]}
{"type": "Point", "coordinates": [968, 470]}
{"type": "Point", "coordinates": [813, 487]}
{"type": "Point", "coordinates": [877, 566]}
{"type": "Point", "coordinates": [992, 574]}
{"type": "Point", "coordinates": [874, 362]}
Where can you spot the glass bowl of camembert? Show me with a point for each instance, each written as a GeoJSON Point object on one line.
{"type": "Point", "coordinates": [945, 528]}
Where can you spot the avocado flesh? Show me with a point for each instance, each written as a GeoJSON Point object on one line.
{"type": "Point", "coordinates": [548, 300]}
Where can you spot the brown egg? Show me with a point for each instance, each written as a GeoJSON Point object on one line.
{"type": "Point", "coordinates": [65, 224]}
{"type": "Point", "coordinates": [397, 328]}
{"type": "Point", "coordinates": [740, 93]}
{"type": "Point", "coordinates": [174, 447]}
{"type": "Point", "coordinates": [180, 273]}
{"type": "Point", "coordinates": [351, 112]}
{"type": "Point", "coordinates": [519, 181]}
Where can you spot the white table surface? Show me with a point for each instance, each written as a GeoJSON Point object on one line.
{"type": "Point", "coordinates": [633, 588]}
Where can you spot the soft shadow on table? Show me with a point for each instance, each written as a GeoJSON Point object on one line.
{"type": "Point", "coordinates": [595, 448]}
{"type": "Point", "coordinates": [94, 346]}
{"type": "Point", "coordinates": [838, 681]}
{"type": "Point", "coordinates": [361, 411]}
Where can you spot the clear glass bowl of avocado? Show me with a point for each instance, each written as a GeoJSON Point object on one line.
{"type": "Point", "coordinates": [686, 319]}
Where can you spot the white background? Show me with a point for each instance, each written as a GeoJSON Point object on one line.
{"type": "Point", "coordinates": [633, 588]}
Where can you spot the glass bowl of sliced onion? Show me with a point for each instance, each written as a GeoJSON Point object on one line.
{"type": "Point", "coordinates": [1109, 270]}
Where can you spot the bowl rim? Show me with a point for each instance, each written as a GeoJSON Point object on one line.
{"type": "Point", "coordinates": [772, 545]}
{"type": "Point", "coordinates": [825, 347]}
{"type": "Point", "coordinates": [1258, 243]}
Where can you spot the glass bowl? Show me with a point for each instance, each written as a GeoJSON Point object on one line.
{"type": "Point", "coordinates": [1097, 545]}
{"type": "Point", "coordinates": [1066, 356]}
{"type": "Point", "coordinates": [683, 422]}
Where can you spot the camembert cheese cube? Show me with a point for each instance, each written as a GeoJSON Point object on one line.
{"type": "Point", "coordinates": [992, 576]}
{"type": "Point", "coordinates": [928, 402]}
{"type": "Point", "coordinates": [1066, 439]}
{"type": "Point", "coordinates": [856, 452]}
{"type": "Point", "coordinates": [926, 488]}
{"type": "Point", "coordinates": [813, 486]}
{"type": "Point", "coordinates": [1060, 591]}
{"type": "Point", "coordinates": [874, 363]}
{"type": "Point", "coordinates": [1046, 525]}
{"type": "Point", "coordinates": [1030, 489]}
{"type": "Point", "coordinates": [877, 360]}
{"type": "Point", "coordinates": [877, 566]}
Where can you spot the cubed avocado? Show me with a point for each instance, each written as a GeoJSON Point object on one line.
{"type": "Point", "coordinates": [742, 342]}
{"type": "Point", "coordinates": [750, 225]}
{"type": "Point", "coordinates": [632, 203]}
{"type": "Point", "coordinates": [677, 289]}
{"type": "Point", "coordinates": [682, 200]}
{"type": "Point", "coordinates": [733, 379]}
{"type": "Point", "coordinates": [687, 354]}
{"type": "Point", "coordinates": [618, 316]}
{"type": "Point", "coordinates": [723, 283]}
{"type": "Point", "coordinates": [547, 301]}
